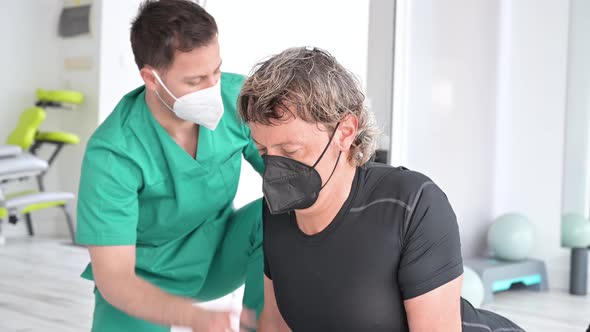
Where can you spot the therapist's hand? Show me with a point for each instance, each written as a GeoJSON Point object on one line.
{"type": "Point", "coordinates": [211, 321]}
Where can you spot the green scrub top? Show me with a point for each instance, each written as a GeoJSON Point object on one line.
{"type": "Point", "coordinates": [138, 187]}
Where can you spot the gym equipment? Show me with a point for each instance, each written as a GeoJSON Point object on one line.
{"type": "Point", "coordinates": [511, 237]}
{"type": "Point", "coordinates": [9, 151]}
{"type": "Point", "coordinates": [12, 206]}
{"type": "Point", "coordinates": [64, 99]}
{"type": "Point", "coordinates": [59, 98]}
{"type": "Point", "coordinates": [575, 231]}
{"type": "Point", "coordinates": [579, 271]}
{"type": "Point", "coordinates": [15, 165]}
{"type": "Point", "coordinates": [473, 290]}
{"type": "Point", "coordinates": [497, 275]}
{"type": "Point", "coordinates": [575, 234]}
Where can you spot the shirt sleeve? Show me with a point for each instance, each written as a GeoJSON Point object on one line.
{"type": "Point", "coordinates": [108, 197]}
{"type": "Point", "coordinates": [431, 247]}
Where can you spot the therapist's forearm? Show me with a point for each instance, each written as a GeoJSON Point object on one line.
{"type": "Point", "coordinates": [140, 299]}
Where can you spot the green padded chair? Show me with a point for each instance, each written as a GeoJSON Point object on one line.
{"type": "Point", "coordinates": [59, 99]}
{"type": "Point", "coordinates": [28, 137]}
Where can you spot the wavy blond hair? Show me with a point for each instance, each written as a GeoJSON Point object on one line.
{"type": "Point", "coordinates": [317, 87]}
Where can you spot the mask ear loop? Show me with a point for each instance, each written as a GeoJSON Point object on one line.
{"type": "Point", "coordinates": [163, 102]}
{"type": "Point", "coordinates": [327, 145]}
{"type": "Point", "coordinates": [333, 170]}
{"type": "Point", "coordinates": [163, 85]}
{"type": "Point", "coordinates": [323, 152]}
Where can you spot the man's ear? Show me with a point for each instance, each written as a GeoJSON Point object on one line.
{"type": "Point", "coordinates": [347, 129]}
{"type": "Point", "coordinates": [149, 78]}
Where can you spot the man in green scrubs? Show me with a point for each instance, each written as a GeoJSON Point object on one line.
{"type": "Point", "coordinates": [158, 180]}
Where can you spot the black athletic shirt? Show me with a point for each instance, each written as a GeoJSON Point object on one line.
{"type": "Point", "coordinates": [395, 238]}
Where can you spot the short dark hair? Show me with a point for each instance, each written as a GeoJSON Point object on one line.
{"type": "Point", "coordinates": [161, 27]}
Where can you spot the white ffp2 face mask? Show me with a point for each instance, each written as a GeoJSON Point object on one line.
{"type": "Point", "coordinates": [203, 107]}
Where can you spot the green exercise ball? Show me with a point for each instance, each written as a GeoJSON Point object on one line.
{"type": "Point", "coordinates": [511, 237]}
{"type": "Point", "coordinates": [472, 290]}
{"type": "Point", "coordinates": [575, 231]}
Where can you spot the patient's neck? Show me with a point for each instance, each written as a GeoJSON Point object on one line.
{"type": "Point", "coordinates": [315, 219]}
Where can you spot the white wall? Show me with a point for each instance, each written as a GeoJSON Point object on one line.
{"type": "Point", "coordinates": [30, 56]}
{"type": "Point", "coordinates": [530, 122]}
{"type": "Point", "coordinates": [445, 83]}
{"type": "Point", "coordinates": [576, 174]}
{"type": "Point", "coordinates": [479, 106]}
{"type": "Point", "coordinates": [83, 120]}
{"type": "Point", "coordinates": [118, 73]}
{"type": "Point", "coordinates": [31, 59]}
{"type": "Point", "coordinates": [380, 51]}
{"type": "Point", "coordinates": [250, 31]}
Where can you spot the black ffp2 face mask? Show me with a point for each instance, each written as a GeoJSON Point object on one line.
{"type": "Point", "coordinates": [292, 185]}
